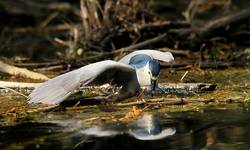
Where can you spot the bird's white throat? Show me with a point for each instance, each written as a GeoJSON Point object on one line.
{"type": "Point", "coordinates": [143, 77]}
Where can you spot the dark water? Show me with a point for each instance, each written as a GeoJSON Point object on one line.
{"type": "Point", "coordinates": [214, 128]}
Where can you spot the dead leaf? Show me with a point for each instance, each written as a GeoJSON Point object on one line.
{"type": "Point", "coordinates": [134, 113]}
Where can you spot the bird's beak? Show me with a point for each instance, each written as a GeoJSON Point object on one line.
{"type": "Point", "coordinates": [153, 83]}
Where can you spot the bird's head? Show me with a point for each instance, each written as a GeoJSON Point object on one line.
{"type": "Point", "coordinates": [154, 71]}
{"type": "Point", "coordinates": [148, 75]}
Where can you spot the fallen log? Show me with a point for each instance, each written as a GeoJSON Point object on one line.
{"type": "Point", "coordinates": [188, 87]}
{"type": "Point", "coordinates": [148, 102]}
{"type": "Point", "coordinates": [172, 88]}
{"type": "Point", "coordinates": [167, 87]}
{"type": "Point", "coordinates": [22, 72]}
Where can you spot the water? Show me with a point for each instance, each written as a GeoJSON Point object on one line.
{"type": "Point", "coordinates": [212, 128]}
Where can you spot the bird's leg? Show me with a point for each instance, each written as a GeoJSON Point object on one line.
{"type": "Point", "coordinates": [157, 90]}
{"type": "Point", "coordinates": [141, 92]}
{"type": "Point", "coordinates": [161, 89]}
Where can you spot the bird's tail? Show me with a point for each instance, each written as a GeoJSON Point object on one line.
{"type": "Point", "coordinates": [54, 90]}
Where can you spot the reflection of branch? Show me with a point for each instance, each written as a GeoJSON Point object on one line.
{"type": "Point", "coordinates": [12, 70]}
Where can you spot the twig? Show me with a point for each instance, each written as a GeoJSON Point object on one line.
{"type": "Point", "coordinates": [184, 76]}
{"type": "Point", "coordinates": [14, 91]}
{"type": "Point", "coordinates": [157, 26]}
{"type": "Point", "coordinates": [57, 67]}
{"type": "Point", "coordinates": [49, 19]}
{"type": "Point", "coordinates": [131, 103]}
{"type": "Point", "coordinates": [176, 52]}
{"type": "Point", "coordinates": [41, 64]}
{"type": "Point", "coordinates": [44, 109]}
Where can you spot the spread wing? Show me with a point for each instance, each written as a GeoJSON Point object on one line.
{"type": "Point", "coordinates": [59, 88]}
{"type": "Point", "coordinates": [158, 55]}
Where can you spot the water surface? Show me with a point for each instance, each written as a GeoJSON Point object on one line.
{"type": "Point", "coordinates": [212, 128]}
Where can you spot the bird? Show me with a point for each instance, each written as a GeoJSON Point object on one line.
{"type": "Point", "coordinates": [135, 71]}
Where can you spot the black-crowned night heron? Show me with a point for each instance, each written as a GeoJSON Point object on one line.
{"type": "Point", "coordinates": [135, 71]}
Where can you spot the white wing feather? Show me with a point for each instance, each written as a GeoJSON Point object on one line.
{"type": "Point", "coordinates": [158, 55]}
{"type": "Point", "coordinates": [59, 88]}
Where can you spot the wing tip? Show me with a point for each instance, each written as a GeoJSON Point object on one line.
{"type": "Point", "coordinates": [51, 97]}
{"type": "Point", "coordinates": [170, 55]}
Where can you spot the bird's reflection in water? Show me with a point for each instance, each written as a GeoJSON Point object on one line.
{"type": "Point", "coordinates": [146, 128]}
{"type": "Point", "coordinates": [215, 129]}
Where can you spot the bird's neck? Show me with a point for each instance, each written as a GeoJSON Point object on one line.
{"type": "Point", "coordinates": [143, 77]}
